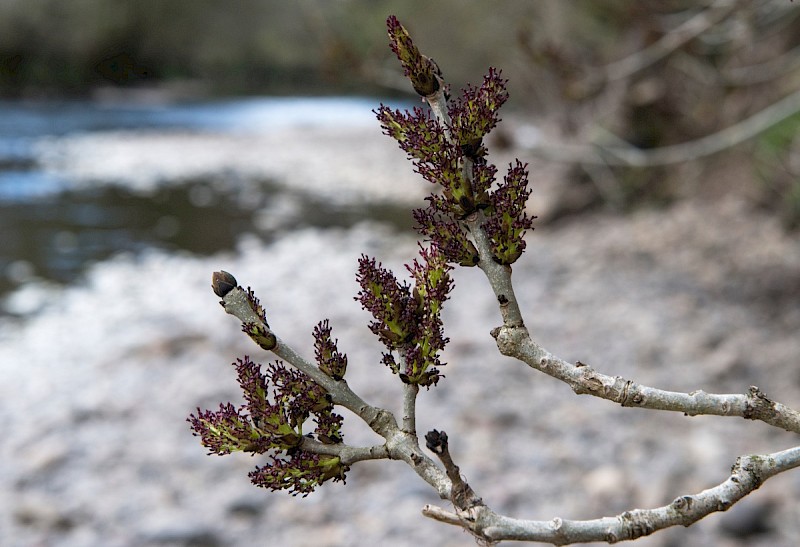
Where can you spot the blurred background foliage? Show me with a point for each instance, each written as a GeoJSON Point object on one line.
{"type": "Point", "coordinates": [247, 46]}
{"type": "Point", "coordinates": [612, 77]}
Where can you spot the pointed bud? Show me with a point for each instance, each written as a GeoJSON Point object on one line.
{"type": "Point", "coordinates": [260, 335]}
{"type": "Point", "coordinates": [421, 70]}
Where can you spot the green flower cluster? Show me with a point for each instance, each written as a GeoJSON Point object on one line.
{"type": "Point", "coordinates": [408, 321]}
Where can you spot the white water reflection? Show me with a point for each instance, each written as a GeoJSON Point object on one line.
{"type": "Point", "coordinates": [265, 114]}
{"type": "Point", "coordinates": [27, 128]}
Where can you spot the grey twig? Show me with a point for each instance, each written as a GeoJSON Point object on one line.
{"type": "Point", "coordinates": [747, 475]}
{"type": "Point", "coordinates": [583, 379]}
{"type": "Point", "coordinates": [399, 445]}
{"type": "Point", "coordinates": [513, 339]}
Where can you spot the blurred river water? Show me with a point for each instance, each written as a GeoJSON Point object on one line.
{"type": "Point", "coordinates": [56, 218]}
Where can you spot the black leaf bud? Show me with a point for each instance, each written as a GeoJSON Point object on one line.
{"type": "Point", "coordinates": [222, 283]}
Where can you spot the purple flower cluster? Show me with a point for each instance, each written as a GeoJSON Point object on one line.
{"type": "Point", "coordinates": [474, 113]}
{"type": "Point", "coordinates": [227, 430]}
{"type": "Point", "coordinates": [299, 472]}
{"type": "Point", "coordinates": [330, 361]}
{"type": "Point", "coordinates": [507, 220]}
{"type": "Point", "coordinates": [277, 405]}
{"type": "Point", "coordinates": [435, 157]}
{"type": "Point", "coordinates": [280, 401]}
{"type": "Point", "coordinates": [448, 235]}
{"type": "Point", "coordinates": [301, 398]}
{"type": "Point", "coordinates": [454, 157]}
{"type": "Point", "coordinates": [408, 321]}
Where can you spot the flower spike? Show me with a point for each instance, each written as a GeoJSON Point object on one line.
{"type": "Point", "coordinates": [422, 71]}
{"type": "Point", "coordinates": [408, 321]}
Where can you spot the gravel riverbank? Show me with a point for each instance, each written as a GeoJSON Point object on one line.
{"type": "Point", "coordinates": [96, 387]}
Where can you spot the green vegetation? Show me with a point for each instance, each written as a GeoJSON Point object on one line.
{"type": "Point", "coordinates": [776, 162]}
{"type": "Point", "coordinates": [255, 46]}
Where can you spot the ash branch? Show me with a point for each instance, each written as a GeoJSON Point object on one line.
{"type": "Point", "coordinates": [471, 225]}
{"type": "Point", "coordinates": [514, 340]}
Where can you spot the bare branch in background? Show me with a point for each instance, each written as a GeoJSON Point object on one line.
{"type": "Point", "coordinates": [630, 156]}
{"type": "Point", "coordinates": [702, 82]}
{"type": "Point", "coordinates": [670, 42]}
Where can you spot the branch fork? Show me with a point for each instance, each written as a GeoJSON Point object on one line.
{"type": "Point", "coordinates": [469, 224]}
